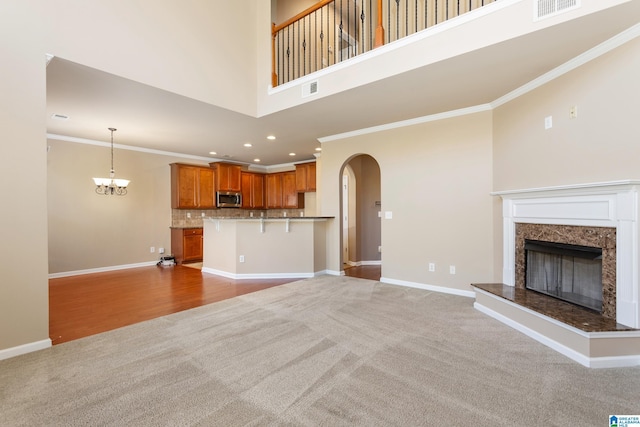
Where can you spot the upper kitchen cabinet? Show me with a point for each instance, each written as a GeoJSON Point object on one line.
{"type": "Point", "coordinates": [192, 187]}
{"type": "Point", "coordinates": [281, 191]}
{"type": "Point", "coordinates": [306, 177]}
{"type": "Point", "coordinates": [253, 190]}
{"type": "Point", "coordinates": [227, 176]}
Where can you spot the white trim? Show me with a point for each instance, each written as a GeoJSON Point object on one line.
{"type": "Point", "coordinates": [406, 123]}
{"type": "Point", "coordinates": [593, 53]}
{"type": "Point", "coordinates": [370, 262]}
{"type": "Point", "coordinates": [335, 272]}
{"type": "Point", "coordinates": [440, 289]}
{"type": "Point", "coordinates": [101, 269]}
{"type": "Point", "coordinates": [8, 353]}
{"type": "Point", "coordinates": [589, 362]}
{"type": "Point", "coordinates": [587, 186]}
{"type": "Point", "coordinates": [262, 275]}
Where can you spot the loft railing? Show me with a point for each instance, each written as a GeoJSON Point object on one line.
{"type": "Point", "coordinates": [332, 31]}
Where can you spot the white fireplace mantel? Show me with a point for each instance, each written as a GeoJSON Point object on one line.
{"type": "Point", "coordinates": [605, 204]}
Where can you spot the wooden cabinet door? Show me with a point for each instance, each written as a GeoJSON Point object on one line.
{"type": "Point", "coordinates": [229, 177]}
{"type": "Point", "coordinates": [207, 192]}
{"type": "Point", "coordinates": [289, 191]}
{"type": "Point", "coordinates": [184, 183]}
{"type": "Point", "coordinates": [192, 244]}
{"type": "Point", "coordinates": [245, 184]}
{"type": "Point", "coordinates": [257, 191]}
{"type": "Point", "coordinates": [274, 190]}
{"type": "Point", "coordinates": [306, 177]}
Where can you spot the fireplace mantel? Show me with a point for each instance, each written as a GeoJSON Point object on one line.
{"type": "Point", "coordinates": [604, 204]}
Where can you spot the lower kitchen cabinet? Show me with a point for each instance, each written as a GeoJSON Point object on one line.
{"type": "Point", "coordinates": [186, 244]}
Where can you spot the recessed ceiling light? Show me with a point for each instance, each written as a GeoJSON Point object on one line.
{"type": "Point", "coordinates": [213, 153]}
{"type": "Point", "coordinates": [256, 160]}
{"type": "Point", "coordinates": [292, 154]}
{"type": "Point", "coordinates": [271, 137]}
{"type": "Point", "coordinates": [248, 145]}
{"type": "Point", "coordinates": [319, 149]}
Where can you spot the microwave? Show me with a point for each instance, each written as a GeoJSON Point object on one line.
{"type": "Point", "coordinates": [228, 199]}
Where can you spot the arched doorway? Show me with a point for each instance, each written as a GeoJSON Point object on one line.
{"type": "Point", "coordinates": [360, 233]}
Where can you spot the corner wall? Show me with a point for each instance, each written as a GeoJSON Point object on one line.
{"type": "Point", "coordinates": [436, 181]}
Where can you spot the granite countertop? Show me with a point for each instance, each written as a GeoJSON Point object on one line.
{"type": "Point", "coordinates": [267, 217]}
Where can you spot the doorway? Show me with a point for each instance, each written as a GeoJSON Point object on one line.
{"type": "Point", "coordinates": [360, 215]}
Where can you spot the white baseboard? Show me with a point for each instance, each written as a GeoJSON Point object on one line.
{"type": "Point", "coordinates": [584, 360]}
{"type": "Point", "coordinates": [335, 272]}
{"type": "Point", "coordinates": [359, 263]}
{"type": "Point", "coordinates": [8, 353]}
{"type": "Point", "coordinates": [434, 288]}
{"type": "Point", "coordinates": [101, 269]}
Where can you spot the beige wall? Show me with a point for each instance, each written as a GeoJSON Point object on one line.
{"type": "Point", "coordinates": [24, 297]}
{"type": "Point", "coordinates": [436, 179]}
{"type": "Point", "coordinates": [205, 50]}
{"type": "Point", "coordinates": [601, 144]}
{"type": "Point", "coordinates": [88, 231]}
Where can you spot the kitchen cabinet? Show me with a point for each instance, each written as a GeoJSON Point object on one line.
{"type": "Point", "coordinates": [274, 190]}
{"type": "Point", "coordinates": [306, 177]}
{"type": "Point", "coordinates": [192, 187]}
{"type": "Point", "coordinates": [282, 192]}
{"type": "Point", "coordinates": [252, 185]}
{"type": "Point", "coordinates": [228, 176]}
{"type": "Point", "coordinates": [186, 244]}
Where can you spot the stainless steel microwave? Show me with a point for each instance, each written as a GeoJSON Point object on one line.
{"type": "Point", "coordinates": [228, 199]}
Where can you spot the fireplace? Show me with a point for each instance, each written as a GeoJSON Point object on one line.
{"type": "Point", "coordinates": [569, 262]}
{"type": "Point", "coordinates": [572, 273]}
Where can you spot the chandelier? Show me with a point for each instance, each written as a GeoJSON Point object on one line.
{"type": "Point", "coordinates": [110, 186]}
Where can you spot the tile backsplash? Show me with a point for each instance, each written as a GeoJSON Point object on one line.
{"type": "Point", "coordinates": [182, 218]}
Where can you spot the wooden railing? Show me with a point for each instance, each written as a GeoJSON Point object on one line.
{"type": "Point", "coordinates": [332, 31]}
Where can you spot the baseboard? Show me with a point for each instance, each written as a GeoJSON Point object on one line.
{"type": "Point", "coordinates": [441, 289]}
{"type": "Point", "coordinates": [101, 269]}
{"type": "Point", "coordinates": [335, 272]}
{"type": "Point", "coordinates": [260, 275]}
{"type": "Point", "coordinates": [24, 349]}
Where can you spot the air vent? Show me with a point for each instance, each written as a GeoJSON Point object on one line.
{"type": "Point", "coordinates": [309, 89]}
{"type": "Point", "coordinates": [547, 8]}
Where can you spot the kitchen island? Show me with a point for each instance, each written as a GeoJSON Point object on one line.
{"type": "Point", "coordinates": [263, 248]}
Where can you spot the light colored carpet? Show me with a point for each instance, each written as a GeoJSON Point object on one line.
{"type": "Point", "coordinates": [327, 351]}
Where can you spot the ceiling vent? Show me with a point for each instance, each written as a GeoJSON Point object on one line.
{"type": "Point", "coordinates": [547, 8]}
{"type": "Point", "coordinates": [309, 89]}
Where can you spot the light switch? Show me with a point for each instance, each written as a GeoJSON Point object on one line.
{"type": "Point", "coordinates": [388, 215]}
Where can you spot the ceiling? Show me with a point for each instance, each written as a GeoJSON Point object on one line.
{"type": "Point", "coordinates": [154, 119]}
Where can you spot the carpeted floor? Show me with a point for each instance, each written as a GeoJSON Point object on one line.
{"type": "Point", "coordinates": [327, 351]}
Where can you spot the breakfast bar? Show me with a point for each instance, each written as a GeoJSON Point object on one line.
{"type": "Point", "coordinates": [263, 248]}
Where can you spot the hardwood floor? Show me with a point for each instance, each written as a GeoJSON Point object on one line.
{"type": "Point", "coordinates": [371, 272]}
{"type": "Point", "coordinates": [85, 305]}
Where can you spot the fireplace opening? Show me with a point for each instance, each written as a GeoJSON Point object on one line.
{"type": "Point", "coordinates": [572, 273]}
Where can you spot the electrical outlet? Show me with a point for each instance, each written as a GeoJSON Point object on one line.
{"type": "Point", "coordinates": [160, 250]}
{"type": "Point", "coordinates": [152, 249]}
{"type": "Point", "coordinates": [432, 266]}
{"type": "Point", "coordinates": [188, 214]}
{"type": "Point", "coordinates": [202, 214]}
{"type": "Point", "coordinates": [452, 269]}
{"type": "Point", "coordinates": [548, 122]}
{"type": "Point", "coordinates": [573, 112]}
{"type": "Point", "coordinates": [241, 258]}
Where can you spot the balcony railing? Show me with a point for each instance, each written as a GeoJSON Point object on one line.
{"type": "Point", "coordinates": [333, 31]}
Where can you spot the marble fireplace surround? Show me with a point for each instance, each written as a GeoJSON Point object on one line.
{"type": "Point", "coordinates": [612, 205]}
{"type": "Point", "coordinates": [597, 237]}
